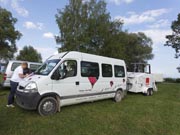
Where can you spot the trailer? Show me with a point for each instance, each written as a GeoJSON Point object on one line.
{"type": "Point", "coordinates": [141, 79]}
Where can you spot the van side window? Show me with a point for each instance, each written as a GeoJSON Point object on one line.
{"type": "Point", "coordinates": [15, 65]}
{"type": "Point", "coordinates": [89, 69]}
{"type": "Point", "coordinates": [119, 71]}
{"type": "Point", "coordinates": [33, 67]}
{"type": "Point", "coordinates": [106, 70]}
{"type": "Point", "coordinates": [68, 69]}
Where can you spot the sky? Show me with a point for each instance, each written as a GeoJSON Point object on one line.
{"type": "Point", "coordinates": [36, 21]}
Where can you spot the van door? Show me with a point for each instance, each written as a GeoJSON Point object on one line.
{"type": "Point", "coordinates": [120, 76]}
{"type": "Point", "coordinates": [90, 86]}
{"type": "Point", "coordinates": [67, 85]}
{"type": "Point", "coordinates": [107, 78]}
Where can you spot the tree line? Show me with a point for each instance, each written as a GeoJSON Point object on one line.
{"type": "Point", "coordinates": [86, 26]}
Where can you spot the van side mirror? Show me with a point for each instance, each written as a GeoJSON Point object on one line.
{"type": "Point", "coordinates": [56, 75]}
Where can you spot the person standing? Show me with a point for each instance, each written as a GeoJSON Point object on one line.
{"type": "Point", "coordinates": [15, 79]}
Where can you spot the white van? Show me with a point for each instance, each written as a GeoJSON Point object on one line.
{"type": "Point", "coordinates": [11, 66]}
{"type": "Point", "coordinates": [71, 78]}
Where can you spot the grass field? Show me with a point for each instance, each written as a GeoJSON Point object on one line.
{"type": "Point", "coordinates": [135, 115]}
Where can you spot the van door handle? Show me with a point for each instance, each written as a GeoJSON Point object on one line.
{"type": "Point", "coordinates": [77, 83]}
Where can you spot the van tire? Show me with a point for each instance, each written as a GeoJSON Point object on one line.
{"type": "Point", "coordinates": [118, 96]}
{"type": "Point", "coordinates": [47, 106]}
{"type": "Point", "coordinates": [149, 92]}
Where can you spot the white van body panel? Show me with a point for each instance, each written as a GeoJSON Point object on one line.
{"type": "Point", "coordinates": [42, 83]}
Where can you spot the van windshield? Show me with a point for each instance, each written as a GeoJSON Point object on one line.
{"type": "Point", "coordinates": [47, 67]}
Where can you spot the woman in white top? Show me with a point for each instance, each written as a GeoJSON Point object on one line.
{"type": "Point", "coordinates": [15, 79]}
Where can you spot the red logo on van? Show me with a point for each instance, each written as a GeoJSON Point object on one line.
{"type": "Point", "coordinates": [92, 80]}
{"type": "Point", "coordinates": [111, 83]}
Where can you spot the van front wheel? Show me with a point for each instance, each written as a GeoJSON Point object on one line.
{"type": "Point", "coordinates": [118, 97]}
{"type": "Point", "coordinates": [47, 106]}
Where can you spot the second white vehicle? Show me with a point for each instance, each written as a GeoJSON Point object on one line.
{"type": "Point", "coordinates": [140, 80]}
{"type": "Point", "coordinates": [11, 66]}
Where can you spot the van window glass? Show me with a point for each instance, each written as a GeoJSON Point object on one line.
{"type": "Point", "coordinates": [68, 69]}
{"type": "Point", "coordinates": [15, 65]}
{"type": "Point", "coordinates": [119, 71]}
{"type": "Point", "coordinates": [2, 67]}
{"type": "Point", "coordinates": [107, 70]}
{"type": "Point", "coordinates": [33, 67]}
{"type": "Point", "coordinates": [89, 69]}
{"type": "Point", "coordinates": [47, 67]}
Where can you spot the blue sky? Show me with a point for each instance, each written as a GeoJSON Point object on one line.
{"type": "Point", "coordinates": [36, 21]}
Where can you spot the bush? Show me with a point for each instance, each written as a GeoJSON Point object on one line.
{"type": "Point", "coordinates": [172, 80]}
{"type": "Point", "coordinates": [178, 80]}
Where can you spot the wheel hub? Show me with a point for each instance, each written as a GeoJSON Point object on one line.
{"type": "Point", "coordinates": [48, 106]}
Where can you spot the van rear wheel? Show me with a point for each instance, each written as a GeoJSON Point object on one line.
{"type": "Point", "coordinates": [47, 106]}
{"type": "Point", "coordinates": [149, 92]}
{"type": "Point", "coordinates": [118, 97]}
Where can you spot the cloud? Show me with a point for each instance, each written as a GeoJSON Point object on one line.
{"type": "Point", "coordinates": [20, 10]}
{"type": "Point", "coordinates": [144, 17]}
{"type": "Point", "coordinates": [4, 1]}
{"type": "Point", "coordinates": [48, 35]}
{"type": "Point", "coordinates": [163, 23]}
{"type": "Point", "coordinates": [46, 52]}
{"type": "Point", "coordinates": [16, 6]}
{"type": "Point", "coordinates": [118, 2]}
{"type": "Point", "coordinates": [157, 35]}
{"type": "Point", "coordinates": [32, 25]}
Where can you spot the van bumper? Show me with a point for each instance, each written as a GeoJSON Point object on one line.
{"type": "Point", "coordinates": [27, 101]}
{"type": "Point", "coordinates": [5, 85]}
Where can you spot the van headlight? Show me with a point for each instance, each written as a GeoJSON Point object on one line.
{"type": "Point", "coordinates": [31, 87]}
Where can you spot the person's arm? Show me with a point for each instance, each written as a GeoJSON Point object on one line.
{"type": "Point", "coordinates": [22, 75]}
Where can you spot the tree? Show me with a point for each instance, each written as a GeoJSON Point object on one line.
{"type": "Point", "coordinates": [28, 53]}
{"type": "Point", "coordinates": [131, 47]}
{"type": "Point", "coordinates": [173, 40]}
{"type": "Point", "coordinates": [8, 34]}
{"type": "Point", "coordinates": [88, 27]}
{"type": "Point", "coordinates": [83, 26]}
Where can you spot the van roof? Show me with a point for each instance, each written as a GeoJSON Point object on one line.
{"type": "Point", "coordinates": [19, 61]}
{"type": "Point", "coordinates": [85, 56]}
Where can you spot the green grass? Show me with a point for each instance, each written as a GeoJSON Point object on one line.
{"type": "Point", "coordinates": [1, 78]}
{"type": "Point", "coordinates": [135, 115]}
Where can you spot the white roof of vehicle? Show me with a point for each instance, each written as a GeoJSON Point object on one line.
{"type": "Point", "coordinates": [19, 61]}
{"type": "Point", "coordinates": [86, 57]}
